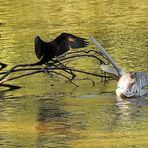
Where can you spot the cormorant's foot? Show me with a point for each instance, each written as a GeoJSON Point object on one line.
{"type": "Point", "coordinates": [49, 64]}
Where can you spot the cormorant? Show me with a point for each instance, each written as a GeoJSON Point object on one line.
{"type": "Point", "coordinates": [46, 51]}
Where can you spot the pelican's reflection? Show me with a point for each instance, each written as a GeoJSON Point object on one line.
{"type": "Point", "coordinates": [53, 128]}
{"type": "Point", "coordinates": [129, 110]}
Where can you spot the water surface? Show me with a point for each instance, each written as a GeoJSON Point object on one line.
{"type": "Point", "coordinates": [41, 114]}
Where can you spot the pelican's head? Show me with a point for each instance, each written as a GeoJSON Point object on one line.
{"type": "Point", "coordinates": [124, 85]}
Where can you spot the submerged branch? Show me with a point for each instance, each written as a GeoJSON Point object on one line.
{"type": "Point", "coordinates": [11, 70]}
{"type": "Point", "coordinates": [82, 51]}
{"type": "Point", "coordinates": [22, 75]}
{"type": "Point", "coordinates": [70, 80]}
{"type": "Point", "coordinates": [11, 87]}
{"type": "Point", "coordinates": [80, 56]}
{"type": "Point", "coordinates": [57, 65]}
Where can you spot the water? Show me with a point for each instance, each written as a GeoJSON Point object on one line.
{"type": "Point", "coordinates": [41, 114]}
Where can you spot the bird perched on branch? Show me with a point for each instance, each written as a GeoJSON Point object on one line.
{"type": "Point", "coordinates": [46, 51]}
{"type": "Point", "coordinates": [130, 84]}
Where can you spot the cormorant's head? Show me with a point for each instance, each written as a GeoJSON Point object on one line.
{"type": "Point", "coordinates": [37, 38]}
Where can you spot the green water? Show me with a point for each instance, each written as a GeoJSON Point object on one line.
{"type": "Point", "coordinates": [63, 116]}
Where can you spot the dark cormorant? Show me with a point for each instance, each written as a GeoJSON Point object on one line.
{"type": "Point", "coordinates": [46, 51]}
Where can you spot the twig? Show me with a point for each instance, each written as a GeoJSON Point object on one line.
{"type": "Point", "coordinates": [65, 69]}
{"type": "Point", "coordinates": [89, 73]}
{"type": "Point", "coordinates": [93, 82]}
{"type": "Point", "coordinates": [65, 77]}
{"type": "Point", "coordinates": [11, 87]}
{"type": "Point", "coordinates": [16, 77]}
{"type": "Point", "coordinates": [82, 51]}
{"type": "Point", "coordinates": [21, 69]}
{"type": "Point", "coordinates": [8, 72]}
{"type": "Point", "coordinates": [82, 55]}
{"type": "Point", "coordinates": [53, 66]}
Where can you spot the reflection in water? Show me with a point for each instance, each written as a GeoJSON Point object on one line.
{"type": "Point", "coordinates": [41, 115]}
{"type": "Point", "coordinates": [129, 111]}
{"type": "Point", "coordinates": [52, 123]}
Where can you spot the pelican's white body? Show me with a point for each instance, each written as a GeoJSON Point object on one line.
{"type": "Point", "coordinates": [129, 86]}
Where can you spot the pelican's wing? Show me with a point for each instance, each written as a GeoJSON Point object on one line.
{"type": "Point", "coordinates": [119, 71]}
{"type": "Point", "coordinates": [110, 70]}
{"type": "Point", "coordinates": [142, 79]}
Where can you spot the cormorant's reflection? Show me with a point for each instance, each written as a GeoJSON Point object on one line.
{"type": "Point", "coordinates": [53, 128]}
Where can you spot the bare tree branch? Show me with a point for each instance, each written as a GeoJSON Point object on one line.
{"type": "Point", "coordinates": [11, 70]}
{"type": "Point", "coordinates": [58, 65]}
{"type": "Point", "coordinates": [82, 55]}
{"type": "Point", "coordinates": [11, 87]}
{"type": "Point", "coordinates": [64, 77]}
{"type": "Point", "coordinates": [23, 75]}
{"type": "Point", "coordinates": [81, 51]}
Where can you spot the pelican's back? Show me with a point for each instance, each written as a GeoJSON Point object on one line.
{"type": "Point", "coordinates": [142, 79]}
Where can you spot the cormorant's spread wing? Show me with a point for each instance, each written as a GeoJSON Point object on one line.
{"type": "Point", "coordinates": [65, 40]}
{"type": "Point", "coordinates": [119, 71]}
{"type": "Point", "coordinates": [62, 47]}
{"type": "Point", "coordinates": [76, 42]}
{"type": "Point", "coordinates": [39, 47]}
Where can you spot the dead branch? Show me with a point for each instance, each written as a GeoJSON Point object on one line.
{"type": "Point", "coordinates": [11, 87]}
{"type": "Point", "coordinates": [22, 75]}
{"type": "Point", "coordinates": [11, 70]}
{"type": "Point", "coordinates": [93, 82]}
{"type": "Point", "coordinates": [80, 56]}
{"type": "Point", "coordinates": [70, 80]}
{"type": "Point", "coordinates": [57, 65]}
{"type": "Point", "coordinates": [82, 51]}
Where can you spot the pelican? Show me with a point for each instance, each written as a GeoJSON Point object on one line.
{"type": "Point", "coordinates": [131, 84]}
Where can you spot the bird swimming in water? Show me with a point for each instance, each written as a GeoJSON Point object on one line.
{"type": "Point", "coordinates": [131, 84]}
{"type": "Point", "coordinates": [46, 51]}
